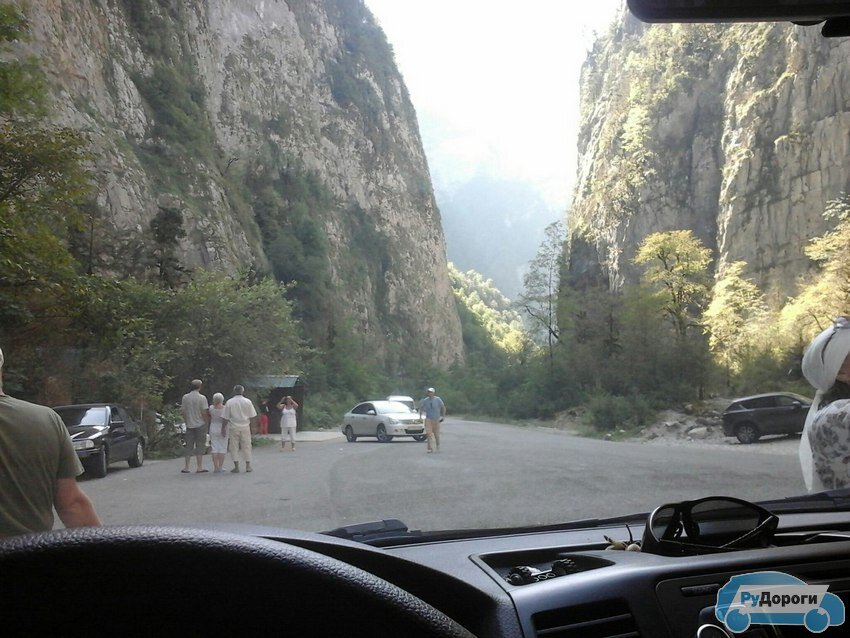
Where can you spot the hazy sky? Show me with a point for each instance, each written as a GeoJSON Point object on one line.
{"type": "Point", "coordinates": [495, 83]}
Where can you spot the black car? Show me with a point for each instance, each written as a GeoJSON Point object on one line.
{"type": "Point", "coordinates": [103, 433]}
{"type": "Point", "coordinates": [750, 417]}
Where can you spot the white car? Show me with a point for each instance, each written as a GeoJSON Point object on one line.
{"type": "Point", "coordinates": [382, 419]}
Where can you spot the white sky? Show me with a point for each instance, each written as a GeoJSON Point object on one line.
{"type": "Point", "coordinates": [495, 83]}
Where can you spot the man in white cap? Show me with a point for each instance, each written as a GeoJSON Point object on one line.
{"type": "Point", "coordinates": [38, 470]}
{"type": "Point", "coordinates": [434, 410]}
{"type": "Point", "coordinates": [826, 436]}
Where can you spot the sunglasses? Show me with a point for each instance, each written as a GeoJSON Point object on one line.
{"type": "Point", "coordinates": [707, 525]}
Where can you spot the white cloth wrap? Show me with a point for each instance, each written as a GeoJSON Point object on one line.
{"type": "Point", "coordinates": [821, 363]}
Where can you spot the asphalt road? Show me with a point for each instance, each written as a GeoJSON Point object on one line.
{"type": "Point", "coordinates": [486, 475]}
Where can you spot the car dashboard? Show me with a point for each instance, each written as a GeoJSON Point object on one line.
{"type": "Point", "coordinates": [592, 592]}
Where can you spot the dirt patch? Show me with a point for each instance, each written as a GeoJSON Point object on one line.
{"type": "Point", "coordinates": [697, 424]}
{"type": "Point", "coordinates": [694, 422]}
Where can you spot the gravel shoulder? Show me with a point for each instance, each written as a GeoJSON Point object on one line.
{"type": "Point", "coordinates": [693, 427]}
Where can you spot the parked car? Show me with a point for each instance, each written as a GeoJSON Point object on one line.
{"type": "Point", "coordinates": [382, 419]}
{"type": "Point", "coordinates": [749, 418]}
{"type": "Point", "coordinates": [103, 433]}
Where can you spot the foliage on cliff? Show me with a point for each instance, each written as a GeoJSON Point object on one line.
{"type": "Point", "coordinates": [72, 332]}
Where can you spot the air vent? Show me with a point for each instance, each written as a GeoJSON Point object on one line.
{"type": "Point", "coordinates": [608, 619]}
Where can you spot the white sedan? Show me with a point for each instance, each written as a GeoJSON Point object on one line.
{"type": "Point", "coordinates": [382, 419]}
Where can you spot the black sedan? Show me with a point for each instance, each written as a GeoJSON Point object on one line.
{"type": "Point", "coordinates": [103, 433]}
{"type": "Point", "coordinates": [748, 418]}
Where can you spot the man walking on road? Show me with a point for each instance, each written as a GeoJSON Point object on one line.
{"type": "Point", "coordinates": [196, 416]}
{"type": "Point", "coordinates": [239, 413]}
{"type": "Point", "coordinates": [38, 470]}
{"type": "Point", "coordinates": [435, 410]}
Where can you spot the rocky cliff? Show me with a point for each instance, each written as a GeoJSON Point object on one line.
{"type": "Point", "coordinates": [280, 134]}
{"type": "Point", "coordinates": [737, 132]}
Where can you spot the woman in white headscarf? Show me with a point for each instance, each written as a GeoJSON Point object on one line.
{"type": "Point", "coordinates": [825, 444]}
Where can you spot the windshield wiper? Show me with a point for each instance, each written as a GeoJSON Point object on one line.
{"type": "Point", "coordinates": [376, 530]}
{"type": "Point", "coordinates": [393, 532]}
{"type": "Point", "coordinates": [819, 501]}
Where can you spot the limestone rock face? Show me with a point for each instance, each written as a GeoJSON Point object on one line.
{"type": "Point", "coordinates": [196, 105]}
{"type": "Point", "coordinates": [743, 133]}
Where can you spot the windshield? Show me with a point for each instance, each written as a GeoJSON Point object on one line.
{"type": "Point", "coordinates": [76, 417]}
{"type": "Point", "coordinates": [569, 239]}
{"type": "Point", "coordinates": [391, 407]}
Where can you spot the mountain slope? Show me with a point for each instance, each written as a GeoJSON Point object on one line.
{"type": "Point", "coordinates": [738, 133]}
{"type": "Point", "coordinates": [280, 133]}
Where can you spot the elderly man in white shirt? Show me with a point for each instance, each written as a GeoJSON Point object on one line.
{"type": "Point", "coordinates": [239, 413]}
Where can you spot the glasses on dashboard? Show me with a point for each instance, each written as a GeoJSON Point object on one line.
{"type": "Point", "coordinates": [707, 525]}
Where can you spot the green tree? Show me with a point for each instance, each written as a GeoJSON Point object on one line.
{"type": "Point", "coordinates": [167, 230]}
{"type": "Point", "coordinates": [539, 299]}
{"type": "Point", "coordinates": [677, 268]}
{"type": "Point", "coordinates": [43, 183]}
{"type": "Point", "coordinates": [140, 342]}
{"type": "Point", "coordinates": [826, 293]}
{"type": "Point", "coordinates": [734, 317]}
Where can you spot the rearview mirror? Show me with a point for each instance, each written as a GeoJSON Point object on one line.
{"type": "Point", "coordinates": [803, 11]}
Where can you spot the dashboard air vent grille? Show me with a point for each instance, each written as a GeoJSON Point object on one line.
{"type": "Point", "coordinates": [609, 619]}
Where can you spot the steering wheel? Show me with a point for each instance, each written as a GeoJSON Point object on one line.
{"type": "Point", "coordinates": [141, 580]}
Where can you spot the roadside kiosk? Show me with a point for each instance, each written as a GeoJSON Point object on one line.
{"type": "Point", "coordinates": [273, 388]}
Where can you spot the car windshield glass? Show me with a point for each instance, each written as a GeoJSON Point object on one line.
{"type": "Point", "coordinates": [592, 252]}
{"type": "Point", "coordinates": [73, 417]}
{"type": "Point", "coordinates": [390, 407]}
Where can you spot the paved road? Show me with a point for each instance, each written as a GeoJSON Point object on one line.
{"type": "Point", "coordinates": [486, 475]}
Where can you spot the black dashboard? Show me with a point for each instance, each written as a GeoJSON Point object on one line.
{"type": "Point", "coordinates": [554, 583]}
{"type": "Point", "coordinates": [594, 592]}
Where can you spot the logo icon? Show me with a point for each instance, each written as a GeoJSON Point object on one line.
{"type": "Point", "coordinates": [774, 598]}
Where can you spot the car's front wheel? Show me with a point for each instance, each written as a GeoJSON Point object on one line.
{"type": "Point", "coordinates": [349, 434]}
{"type": "Point", "coordinates": [747, 433]}
{"type": "Point", "coordinates": [138, 456]}
{"type": "Point", "coordinates": [383, 437]}
{"type": "Point", "coordinates": [419, 437]}
{"type": "Point", "coordinates": [97, 465]}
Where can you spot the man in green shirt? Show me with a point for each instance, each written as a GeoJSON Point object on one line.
{"type": "Point", "coordinates": [38, 470]}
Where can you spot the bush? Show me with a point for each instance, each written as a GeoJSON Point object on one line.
{"type": "Point", "coordinates": [324, 410]}
{"type": "Point", "coordinates": [610, 412]}
{"type": "Point", "coordinates": [164, 444]}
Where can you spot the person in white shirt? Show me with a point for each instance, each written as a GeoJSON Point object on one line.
{"type": "Point", "coordinates": [288, 421]}
{"type": "Point", "coordinates": [239, 414]}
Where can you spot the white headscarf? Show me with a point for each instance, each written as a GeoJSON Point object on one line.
{"type": "Point", "coordinates": [821, 363]}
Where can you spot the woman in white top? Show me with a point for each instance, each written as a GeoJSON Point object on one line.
{"type": "Point", "coordinates": [218, 432]}
{"type": "Point", "coordinates": [288, 421]}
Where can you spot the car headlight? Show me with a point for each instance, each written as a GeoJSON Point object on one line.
{"type": "Point", "coordinates": [393, 421]}
{"type": "Point", "coordinates": [87, 444]}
